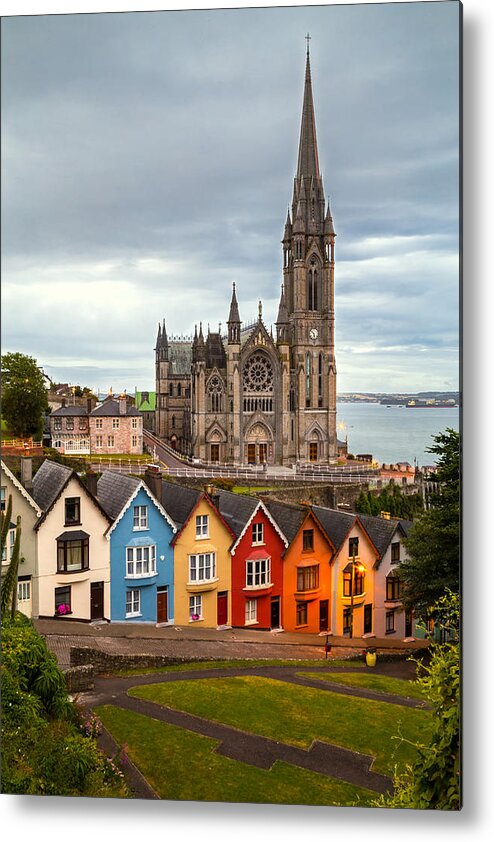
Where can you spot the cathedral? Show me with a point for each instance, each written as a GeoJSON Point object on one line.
{"type": "Point", "coordinates": [247, 397]}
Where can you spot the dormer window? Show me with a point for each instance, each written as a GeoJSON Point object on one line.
{"type": "Point", "coordinates": [140, 517]}
{"type": "Point", "coordinates": [202, 526]}
{"type": "Point", "coordinates": [72, 511]}
{"type": "Point", "coordinates": [352, 547]}
{"type": "Point", "coordinates": [257, 533]}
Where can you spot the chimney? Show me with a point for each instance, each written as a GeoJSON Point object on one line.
{"type": "Point", "coordinates": [64, 402]}
{"type": "Point", "coordinates": [92, 482]}
{"type": "Point", "coordinates": [213, 495]}
{"type": "Point", "coordinates": [89, 405]}
{"type": "Point", "coordinates": [153, 480]}
{"type": "Point", "coordinates": [27, 472]}
{"type": "Point", "coordinates": [122, 401]}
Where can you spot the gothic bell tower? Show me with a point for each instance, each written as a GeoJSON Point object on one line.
{"type": "Point", "coordinates": [308, 274]}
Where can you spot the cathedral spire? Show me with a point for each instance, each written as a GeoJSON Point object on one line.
{"type": "Point", "coordinates": [282, 310]}
{"type": "Point", "coordinates": [164, 337]}
{"type": "Point", "coordinates": [234, 320]}
{"type": "Point", "coordinates": [308, 162]}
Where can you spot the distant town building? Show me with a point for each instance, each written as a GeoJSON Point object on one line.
{"type": "Point", "coordinates": [111, 427]}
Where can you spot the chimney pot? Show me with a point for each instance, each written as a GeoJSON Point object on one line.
{"type": "Point", "coordinates": [27, 472]}
{"type": "Point", "coordinates": [152, 478]}
{"type": "Point", "coordinates": [92, 482]}
{"type": "Point", "coordinates": [64, 402]}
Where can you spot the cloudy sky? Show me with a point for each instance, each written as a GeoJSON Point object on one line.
{"type": "Point", "coordinates": [148, 162]}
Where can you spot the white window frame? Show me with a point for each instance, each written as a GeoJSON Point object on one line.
{"type": "Point", "coordinates": [111, 441]}
{"type": "Point", "coordinates": [140, 562]}
{"type": "Point", "coordinates": [202, 562]}
{"type": "Point", "coordinates": [250, 611]}
{"type": "Point", "coordinates": [99, 441]}
{"type": "Point", "coordinates": [195, 607]}
{"type": "Point", "coordinates": [99, 423]}
{"type": "Point", "coordinates": [257, 534]}
{"type": "Point", "coordinates": [23, 591]}
{"type": "Point", "coordinates": [202, 527]}
{"type": "Point", "coordinates": [257, 573]}
{"type": "Point", "coordinates": [11, 547]}
{"type": "Point", "coordinates": [133, 600]}
{"type": "Point", "coordinates": [3, 498]}
{"type": "Point", "coordinates": [140, 518]}
{"type": "Point", "coordinates": [134, 423]}
{"type": "Point", "coordinates": [134, 441]}
{"type": "Point", "coordinates": [115, 423]}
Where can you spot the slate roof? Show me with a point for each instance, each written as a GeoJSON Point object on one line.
{"type": "Point", "coordinates": [69, 410]}
{"type": "Point", "coordinates": [288, 516]}
{"type": "Point", "coordinates": [48, 483]}
{"type": "Point", "coordinates": [111, 407]}
{"type": "Point", "coordinates": [336, 524]}
{"type": "Point", "coordinates": [406, 525]}
{"type": "Point", "coordinates": [380, 531]}
{"type": "Point", "coordinates": [180, 355]}
{"type": "Point", "coordinates": [114, 490]}
{"type": "Point", "coordinates": [178, 501]}
{"type": "Point", "coordinates": [236, 509]}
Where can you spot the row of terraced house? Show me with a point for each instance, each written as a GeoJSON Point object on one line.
{"type": "Point", "coordinates": [124, 549]}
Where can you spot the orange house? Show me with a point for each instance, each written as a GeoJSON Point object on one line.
{"type": "Point", "coordinates": [306, 569]}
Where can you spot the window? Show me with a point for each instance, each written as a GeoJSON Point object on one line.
{"type": "Point", "coordinates": [140, 517]}
{"type": "Point", "coordinates": [82, 424]}
{"type": "Point", "coordinates": [134, 423]}
{"type": "Point", "coordinates": [308, 578]}
{"type": "Point", "coordinates": [312, 286]}
{"type": "Point", "coordinates": [202, 526]}
{"type": "Point", "coordinates": [352, 547]}
{"type": "Point", "coordinates": [395, 552]}
{"type": "Point", "coordinates": [99, 423]}
{"type": "Point", "coordinates": [308, 540]}
{"type": "Point", "coordinates": [72, 556]}
{"type": "Point", "coordinates": [393, 587]}
{"type": "Point", "coordinates": [134, 441]}
{"type": "Point", "coordinates": [179, 390]}
{"type": "Point", "coordinates": [11, 543]}
{"type": "Point", "coordinates": [72, 510]}
{"type": "Point", "coordinates": [63, 601]}
{"type": "Point", "coordinates": [251, 611]}
{"type": "Point", "coordinates": [258, 533]}
{"type": "Point", "coordinates": [258, 572]}
{"type": "Point", "coordinates": [57, 444]}
{"type": "Point", "coordinates": [195, 607]}
{"type": "Point", "coordinates": [390, 622]}
{"type": "Point", "coordinates": [141, 561]}
{"type": "Point", "coordinates": [3, 498]}
{"type": "Point", "coordinates": [111, 441]}
{"type": "Point", "coordinates": [307, 380]}
{"type": "Point", "coordinates": [171, 390]}
{"type": "Point", "coordinates": [69, 423]}
{"type": "Point", "coordinates": [115, 423]}
{"type": "Point", "coordinates": [173, 422]}
{"type": "Point", "coordinates": [133, 603]}
{"type": "Point", "coordinates": [358, 581]}
{"type": "Point", "coordinates": [23, 591]}
{"type": "Point", "coordinates": [99, 441]}
{"type": "Point", "coordinates": [301, 618]}
{"type": "Point", "coordinates": [57, 424]}
{"type": "Point", "coordinates": [319, 381]}
{"type": "Point", "coordinates": [202, 567]}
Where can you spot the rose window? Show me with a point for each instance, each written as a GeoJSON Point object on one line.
{"type": "Point", "coordinates": [258, 374]}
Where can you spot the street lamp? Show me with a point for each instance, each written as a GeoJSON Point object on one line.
{"type": "Point", "coordinates": [360, 568]}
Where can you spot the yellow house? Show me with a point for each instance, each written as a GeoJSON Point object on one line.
{"type": "Point", "coordinates": [202, 567]}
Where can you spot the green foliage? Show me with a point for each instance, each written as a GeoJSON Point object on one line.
{"type": "Point", "coordinates": [433, 781]}
{"type": "Point", "coordinates": [433, 543]}
{"type": "Point", "coordinates": [225, 483]}
{"type": "Point", "coordinates": [24, 400]}
{"type": "Point", "coordinates": [8, 585]}
{"type": "Point", "coordinates": [391, 499]}
{"type": "Point", "coordinates": [44, 749]}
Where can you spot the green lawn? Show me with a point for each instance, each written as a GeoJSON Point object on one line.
{"type": "Point", "coordinates": [243, 663]}
{"type": "Point", "coordinates": [381, 683]}
{"type": "Point", "coordinates": [184, 766]}
{"type": "Point", "coordinates": [298, 715]}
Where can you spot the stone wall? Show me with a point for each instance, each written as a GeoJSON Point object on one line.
{"type": "Point", "coordinates": [101, 662]}
{"type": "Point", "coordinates": [79, 679]}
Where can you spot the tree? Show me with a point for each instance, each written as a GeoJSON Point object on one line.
{"type": "Point", "coordinates": [433, 781]}
{"type": "Point", "coordinates": [433, 543]}
{"type": "Point", "coordinates": [24, 400]}
{"type": "Point", "coordinates": [8, 584]}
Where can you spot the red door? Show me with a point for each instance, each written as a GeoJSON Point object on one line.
{"type": "Point", "coordinates": [222, 608]}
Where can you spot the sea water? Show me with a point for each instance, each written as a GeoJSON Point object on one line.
{"type": "Point", "coordinates": [393, 433]}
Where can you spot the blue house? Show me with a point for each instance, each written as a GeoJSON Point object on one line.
{"type": "Point", "coordinates": [141, 556]}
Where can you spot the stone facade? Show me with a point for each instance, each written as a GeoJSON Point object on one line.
{"type": "Point", "coordinates": [112, 427]}
{"type": "Point", "coordinates": [248, 397]}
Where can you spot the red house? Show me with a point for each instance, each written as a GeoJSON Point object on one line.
{"type": "Point", "coordinates": [257, 563]}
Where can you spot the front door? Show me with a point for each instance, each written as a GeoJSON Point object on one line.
{"type": "Point", "coordinates": [251, 454]}
{"type": "Point", "coordinates": [275, 612]}
{"type": "Point", "coordinates": [313, 451]}
{"type": "Point", "coordinates": [222, 608]}
{"type": "Point", "coordinates": [367, 619]}
{"type": "Point", "coordinates": [323, 614]}
{"type": "Point", "coordinates": [97, 592]}
{"type": "Point", "coordinates": [162, 605]}
{"type": "Point", "coordinates": [215, 453]}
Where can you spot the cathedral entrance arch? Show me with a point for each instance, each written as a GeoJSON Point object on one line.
{"type": "Point", "coordinates": [259, 445]}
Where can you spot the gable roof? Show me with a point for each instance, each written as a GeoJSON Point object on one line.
{"type": "Point", "coordinates": [380, 531]}
{"type": "Point", "coordinates": [111, 407]}
{"type": "Point", "coordinates": [336, 524]}
{"type": "Point", "coordinates": [17, 484]}
{"type": "Point", "coordinates": [114, 490]}
{"type": "Point", "coordinates": [237, 509]}
{"type": "Point", "coordinates": [288, 516]}
{"type": "Point", "coordinates": [49, 482]}
{"type": "Point", "coordinates": [179, 500]}
{"type": "Point", "coordinates": [116, 493]}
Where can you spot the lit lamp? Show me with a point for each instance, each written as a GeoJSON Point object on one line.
{"type": "Point", "coordinates": [360, 568]}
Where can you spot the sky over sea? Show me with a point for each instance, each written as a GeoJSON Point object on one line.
{"type": "Point", "coordinates": [148, 162]}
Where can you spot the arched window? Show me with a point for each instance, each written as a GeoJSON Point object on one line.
{"type": "Point", "coordinates": [173, 422]}
{"type": "Point", "coordinates": [171, 390]}
{"type": "Point", "coordinates": [313, 286]}
{"type": "Point", "coordinates": [319, 381]}
{"type": "Point", "coordinates": [307, 380]}
{"type": "Point", "coordinates": [179, 390]}
{"type": "Point", "coordinates": [215, 394]}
